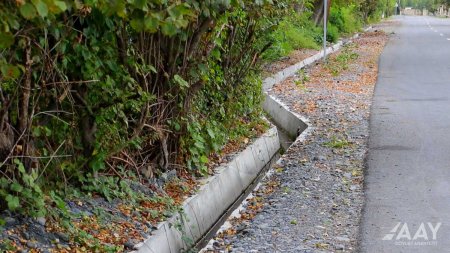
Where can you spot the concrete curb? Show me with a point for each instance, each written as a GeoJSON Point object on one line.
{"type": "Point", "coordinates": [215, 196]}
{"type": "Point", "coordinates": [293, 123]}
{"type": "Point", "coordinates": [269, 82]}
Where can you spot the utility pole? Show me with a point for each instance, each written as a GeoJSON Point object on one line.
{"type": "Point", "coordinates": [397, 8]}
{"type": "Point", "coordinates": [325, 13]}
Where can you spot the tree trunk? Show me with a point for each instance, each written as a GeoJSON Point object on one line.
{"type": "Point", "coordinates": [318, 11]}
{"type": "Point", "coordinates": [25, 98]}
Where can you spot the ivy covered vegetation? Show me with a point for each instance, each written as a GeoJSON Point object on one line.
{"type": "Point", "coordinates": [93, 92]}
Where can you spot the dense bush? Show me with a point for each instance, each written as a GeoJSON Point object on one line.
{"type": "Point", "coordinates": [296, 31]}
{"type": "Point", "coordinates": [346, 18]}
{"type": "Point", "coordinates": [90, 88]}
{"type": "Point", "coordinates": [120, 88]}
{"type": "Point", "coordinates": [332, 32]}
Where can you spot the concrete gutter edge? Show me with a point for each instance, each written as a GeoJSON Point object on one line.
{"type": "Point", "coordinates": [282, 75]}
{"type": "Point", "coordinates": [291, 122]}
{"type": "Point", "coordinates": [294, 124]}
{"type": "Point", "coordinates": [215, 196]}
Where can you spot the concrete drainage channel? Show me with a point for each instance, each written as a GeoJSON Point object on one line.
{"type": "Point", "coordinates": [203, 214]}
{"type": "Point", "coordinates": [217, 193]}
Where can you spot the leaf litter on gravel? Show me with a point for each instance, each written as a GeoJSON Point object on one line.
{"type": "Point", "coordinates": [324, 173]}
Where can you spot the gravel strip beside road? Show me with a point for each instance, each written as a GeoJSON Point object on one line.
{"type": "Point", "coordinates": [313, 201]}
{"type": "Point", "coordinates": [294, 57]}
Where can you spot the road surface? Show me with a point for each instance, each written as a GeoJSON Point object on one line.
{"type": "Point", "coordinates": [408, 175]}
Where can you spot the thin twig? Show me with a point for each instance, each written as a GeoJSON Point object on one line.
{"type": "Point", "coordinates": [56, 117]}
{"type": "Point", "coordinates": [135, 165]}
{"type": "Point", "coordinates": [39, 157]}
{"type": "Point", "coordinates": [157, 129]}
{"type": "Point", "coordinates": [51, 158]}
{"type": "Point", "coordinates": [117, 173]}
{"type": "Point", "coordinates": [55, 111]}
{"type": "Point", "coordinates": [12, 149]}
{"type": "Point", "coordinates": [4, 174]}
{"type": "Point", "coordinates": [9, 155]}
{"type": "Point", "coordinates": [123, 160]}
{"type": "Point", "coordinates": [73, 82]}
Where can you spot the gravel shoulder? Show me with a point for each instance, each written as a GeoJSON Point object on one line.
{"type": "Point", "coordinates": [293, 58]}
{"type": "Point", "coordinates": [313, 200]}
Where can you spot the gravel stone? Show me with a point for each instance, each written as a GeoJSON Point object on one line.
{"type": "Point", "coordinates": [26, 235]}
{"type": "Point", "coordinates": [63, 237]}
{"type": "Point", "coordinates": [10, 221]}
{"type": "Point", "coordinates": [340, 247]}
{"type": "Point", "coordinates": [320, 184]}
{"type": "Point", "coordinates": [32, 245]}
{"type": "Point", "coordinates": [130, 244]}
{"type": "Point", "coordinates": [41, 221]}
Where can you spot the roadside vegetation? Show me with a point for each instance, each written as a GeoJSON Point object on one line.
{"type": "Point", "coordinates": [97, 95]}
{"type": "Point", "coordinates": [430, 5]}
{"type": "Point", "coordinates": [298, 30]}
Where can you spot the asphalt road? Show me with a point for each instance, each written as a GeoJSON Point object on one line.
{"type": "Point", "coordinates": [408, 174]}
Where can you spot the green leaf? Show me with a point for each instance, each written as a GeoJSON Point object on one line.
{"type": "Point", "coordinates": [204, 159]}
{"type": "Point", "coordinates": [179, 10]}
{"type": "Point", "coordinates": [137, 24]}
{"type": "Point", "coordinates": [10, 71]}
{"type": "Point", "coordinates": [119, 8]}
{"type": "Point", "coordinates": [37, 189]}
{"type": "Point", "coordinates": [20, 166]}
{"type": "Point", "coordinates": [28, 11]}
{"type": "Point", "coordinates": [177, 126]}
{"type": "Point", "coordinates": [180, 81]}
{"type": "Point", "coordinates": [6, 39]}
{"type": "Point", "coordinates": [13, 202]}
{"type": "Point", "coordinates": [3, 182]}
{"type": "Point", "coordinates": [199, 145]}
{"type": "Point", "coordinates": [61, 5]}
{"type": "Point", "coordinates": [36, 132]}
{"type": "Point", "coordinates": [48, 132]}
{"type": "Point", "coordinates": [97, 163]}
{"type": "Point", "coordinates": [60, 203]}
{"type": "Point", "coordinates": [16, 187]}
{"type": "Point", "coordinates": [216, 54]}
{"type": "Point", "coordinates": [211, 133]}
{"type": "Point", "coordinates": [41, 8]}
{"type": "Point", "coordinates": [153, 69]}
{"type": "Point", "coordinates": [181, 23]}
{"type": "Point", "coordinates": [140, 4]}
{"type": "Point", "coordinates": [151, 24]}
{"type": "Point", "coordinates": [203, 170]}
{"type": "Point", "coordinates": [28, 180]}
{"type": "Point", "coordinates": [169, 29]}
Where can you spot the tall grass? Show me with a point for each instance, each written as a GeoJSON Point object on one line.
{"type": "Point", "coordinates": [346, 19]}
{"type": "Point", "coordinates": [298, 31]}
{"type": "Point", "coordinates": [294, 32]}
